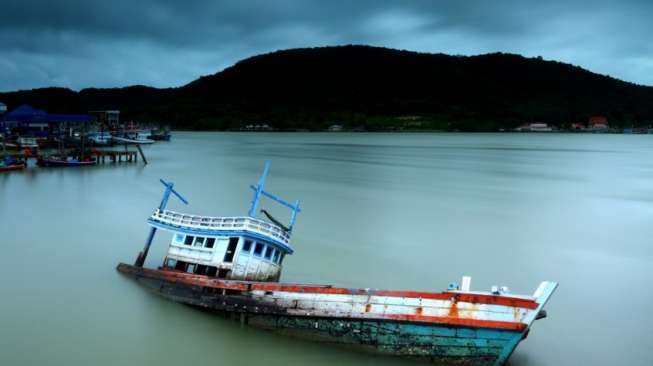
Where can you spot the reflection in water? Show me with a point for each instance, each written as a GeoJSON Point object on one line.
{"type": "Point", "coordinates": [413, 211]}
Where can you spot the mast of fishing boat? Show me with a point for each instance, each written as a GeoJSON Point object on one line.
{"type": "Point", "coordinates": [140, 260]}
{"type": "Point", "coordinates": [259, 191]}
{"type": "Point", "coordinates": [82, 137]}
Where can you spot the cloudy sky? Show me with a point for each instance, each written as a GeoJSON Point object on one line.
{"type": "Point", "coordinates": [108, 43]}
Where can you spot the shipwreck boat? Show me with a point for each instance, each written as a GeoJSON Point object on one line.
{"type": "Point", "coordinates": [232, 265]}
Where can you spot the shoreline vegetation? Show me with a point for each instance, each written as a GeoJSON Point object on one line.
{"type": "Point", "coordinates": [362, 88]}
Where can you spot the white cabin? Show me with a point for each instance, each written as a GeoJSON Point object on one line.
{"type": "Point", "coordinates": [237, 248]}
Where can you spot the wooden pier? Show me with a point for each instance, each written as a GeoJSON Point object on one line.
{"type": "Point", "coordinates": [129, 156]}
{"type": "Point", "coordinates": [101, 156]}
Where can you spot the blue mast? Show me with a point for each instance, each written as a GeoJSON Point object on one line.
{"type": "Point", "coordinates": [140, 260]}
{"type": "Point", "coordinates": [259, 191]}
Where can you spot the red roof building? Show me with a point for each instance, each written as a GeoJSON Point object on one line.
{"type": "Point", "coordinates": [598, 120]}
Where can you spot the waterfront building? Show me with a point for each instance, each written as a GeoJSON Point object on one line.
{"type": "Point", "coordinates": [108, 118]}
{"type": "Point", "coordinates": [598, 123]}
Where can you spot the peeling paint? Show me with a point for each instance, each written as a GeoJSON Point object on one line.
{"type": "Point", "coordinates": [440, 327]}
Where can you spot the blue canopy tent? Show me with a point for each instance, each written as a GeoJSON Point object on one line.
{"type": "Point", "coordinates": [37, 122]}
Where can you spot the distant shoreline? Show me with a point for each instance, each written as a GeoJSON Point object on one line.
{"type": "Point", "coordinates": [418, 132]}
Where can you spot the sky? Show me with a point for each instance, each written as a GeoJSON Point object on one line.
{"type": "Point", "coordinates": [167, 43]}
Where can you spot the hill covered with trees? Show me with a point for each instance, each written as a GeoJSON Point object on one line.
{"type": "Point", "coordinates": [371, 88]}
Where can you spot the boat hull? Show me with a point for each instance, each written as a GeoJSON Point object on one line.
{"type": "Point", "coordinates": [9, 168]}
{"type": "Point", "coordinates": [449, 343]}
{"type": "Point", "coordinates": [53, 163]}
{"type": "Point", "coordinates": [128, 141]}
{"type": "Point", "coordinates": [160, 137]}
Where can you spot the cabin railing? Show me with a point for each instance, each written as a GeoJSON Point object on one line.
{"type": "Point", "coordinates": [221, 223]}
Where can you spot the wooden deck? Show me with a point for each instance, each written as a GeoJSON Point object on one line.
{"type": "Point", "coordinates": [129, 156]}
{"type": "Point", "coordinates": [102, 156]}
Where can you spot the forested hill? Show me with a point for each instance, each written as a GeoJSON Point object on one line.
{"type": "Point", "coordinates": [371, 88]}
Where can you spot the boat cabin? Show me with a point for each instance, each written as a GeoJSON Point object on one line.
{"type": "Point", "coordinates": [237, 248]}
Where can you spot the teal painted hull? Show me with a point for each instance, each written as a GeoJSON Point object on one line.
{"type": "Point", "coordinates": [437, 344]}
{"type": "Point", "coordinates": [440, 344]}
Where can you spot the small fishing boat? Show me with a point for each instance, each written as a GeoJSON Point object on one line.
{"type": "Point", "coordinates": [27, 142]}
{"type": "Point", "coordinates": [100, 138]}
{"type": "Point", "coordinates": [134, 138]}
{"type": "Point", "coordinates": [160, 135]}
{"type": "Point", "coordinates": [10, 164]}
{"type": "Point", "coordinates": [232, 266]}
{"type": "Point", "coordinates": [24, 143]}
{"type": "Point", "coordinates": [54, 161]}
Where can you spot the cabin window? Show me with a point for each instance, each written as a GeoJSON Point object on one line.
{"type": "Point", "coordinates": [247, 246]}
{"type": "Point", "coordinates": [268, 252]}
{"type": "Point", "coordinates": [199, 242]}
{"type": "Point", "coordinates": [171, 263]}
{"type": "Point", "coordinates": [181, 266]}
{"type": "Point", "coordinates": [258, 249]}
{"type": "Point", "coordinates": [179, 238]}
{"type": "Point", "coordinates": [189, 240]}
{"type": "Point", "coordinates": [275, 258]}
{"type": "Point", "coordinates": [200, 269]}
{"type": "Point", "coordinates": [231, 250]}
{"type": "Point", "coordinates": [190, 268]}
{"type": "Point", "coordinates": [212, 271]}
{"type": "Point", "coordinates": [282, 257]}
{"type": "Point", "coordinates": [210, 242]}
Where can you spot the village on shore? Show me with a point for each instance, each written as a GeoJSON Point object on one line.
{"type": "Point", "coordinates": [28, 122]}
{"type": "Point", "coordinates": [71, 140]}
{"type": "Point", "coordinates": [596, 124]}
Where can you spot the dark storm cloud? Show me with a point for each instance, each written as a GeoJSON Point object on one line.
{"type": "Point", "coordinates": [77, 43]}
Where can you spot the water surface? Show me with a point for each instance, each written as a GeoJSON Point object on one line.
{"type": "Point", "coordinates": [398, 211]}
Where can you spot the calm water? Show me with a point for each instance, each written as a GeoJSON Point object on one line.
{"type": "Point", "coordinates": [413, 211]}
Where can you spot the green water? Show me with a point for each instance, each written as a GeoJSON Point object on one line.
{"type": "Point", "coordinates": [396, 211]}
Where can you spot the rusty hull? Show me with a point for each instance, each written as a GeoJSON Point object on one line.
{"type": "Point", "coordinates": [360, 317]}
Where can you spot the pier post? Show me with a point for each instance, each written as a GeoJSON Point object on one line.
{"type": "Point", "coordinates": [138, 146]}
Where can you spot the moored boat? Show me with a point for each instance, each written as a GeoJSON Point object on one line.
{"type": "Point", "coordinates": [10, 164]}
{"type": "Point", "coordinates": [160, 135]}
{"type": "Point", "coordinates": [134, 138]}
{"type": "Point", "coordinates": [27, 142]}
{"type": "Point", "coordinates": [102, 138]}
{"type": "Point", "coordinates": [60, 162]}
{"type": "Point", "coordinates": [232, 265]}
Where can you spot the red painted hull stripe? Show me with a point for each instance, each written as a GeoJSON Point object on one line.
{"type": "Point", "coordinates": [193, 279]}
{"type": "Point", "coordinates": [474, 323]}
